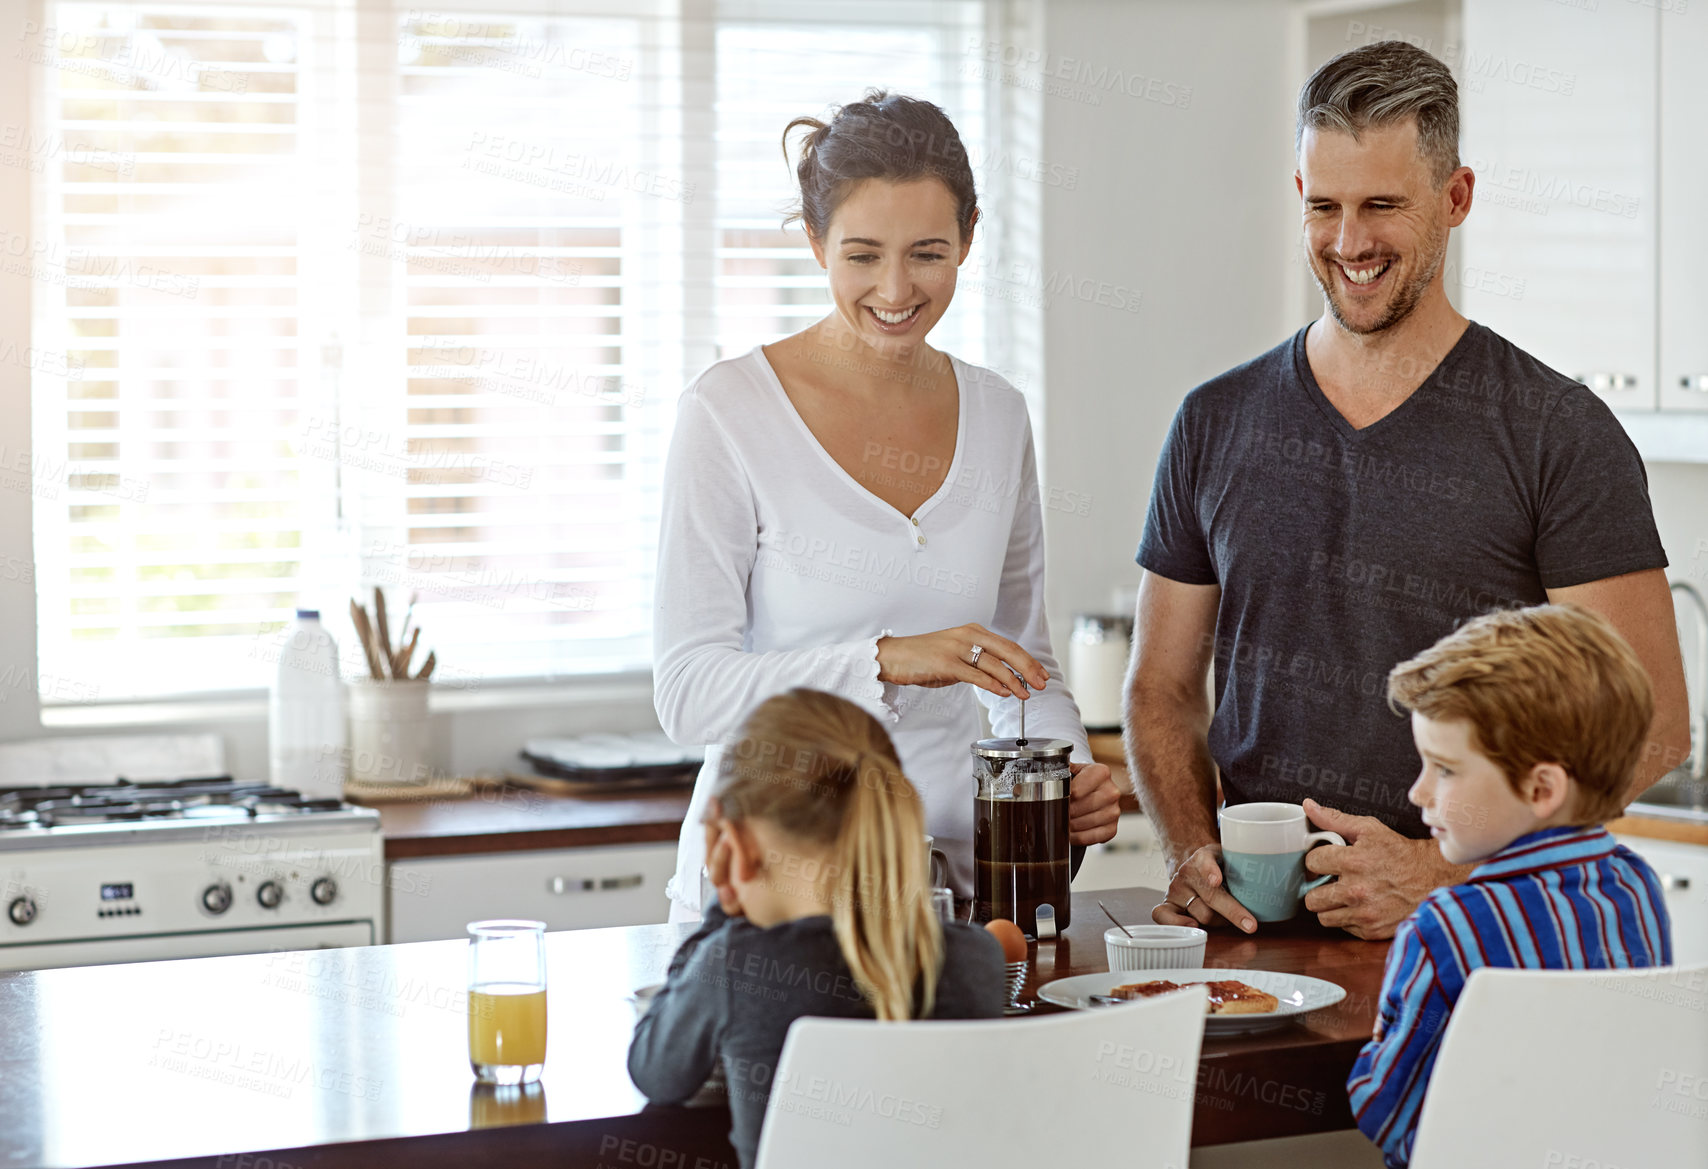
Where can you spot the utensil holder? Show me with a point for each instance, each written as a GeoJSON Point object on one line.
{"type": "Point", "coordinates": [391, 740]}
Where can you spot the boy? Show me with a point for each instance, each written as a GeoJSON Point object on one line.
{"type": "Point", "coordinates": [1529, 723]}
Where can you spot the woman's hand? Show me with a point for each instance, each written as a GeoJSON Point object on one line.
{"type": "Point", "coordinates": [946, 657]}
{"type": "Point", "coordinates": [1094, 804]}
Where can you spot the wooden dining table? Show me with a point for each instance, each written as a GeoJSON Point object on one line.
{"type": "Point", "coordinates": [332, 1058]}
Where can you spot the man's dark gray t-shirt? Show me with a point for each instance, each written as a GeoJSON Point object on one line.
{"type": "Point", "coordinates": [1341, 552]}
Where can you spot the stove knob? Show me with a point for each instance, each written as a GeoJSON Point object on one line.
{"type": "Point", "coordinates": [216, 899]}
{"type": "Point", "coordinates": [323, 891]}
{"type": "Point", "coordinates": [269, 895]}
{"type": "Point", "coordinates": [22, 911]}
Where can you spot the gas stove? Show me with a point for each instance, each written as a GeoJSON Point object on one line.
{"type": "Point", "coordinates": [133, 871]}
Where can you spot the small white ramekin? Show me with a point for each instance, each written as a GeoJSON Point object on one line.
{"type": "Point", "coordinates": [1155, 947]}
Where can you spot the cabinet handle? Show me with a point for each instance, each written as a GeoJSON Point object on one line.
{"type": "Point", "coordinates": [1673, 884]}
{"type": "Point", "coordinates": [1695, 381]}
{"type": "Point", "coordinates": [561, 885]}
{"type": "Point", "coordinates": [1609, 383]}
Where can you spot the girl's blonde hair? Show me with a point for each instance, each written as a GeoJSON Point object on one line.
{"type": "Point", "coordinates": [824, 772]}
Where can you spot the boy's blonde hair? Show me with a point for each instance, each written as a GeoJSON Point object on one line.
{"type": "Point", "coordinates": [1548, 684]}
{"type": "Point", "coordinates": [824, 772]}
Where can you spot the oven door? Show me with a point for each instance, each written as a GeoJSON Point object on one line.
{"type": "Point", "coordinates": [209, 944]}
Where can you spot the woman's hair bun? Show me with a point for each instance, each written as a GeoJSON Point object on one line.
{"type": "Point", "coordinates": [883, 136]}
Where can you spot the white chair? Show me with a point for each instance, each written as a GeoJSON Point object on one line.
{"type": "Point", "coordinates": [1571, 1069]}
{"type": "Point", "coordinates": [1100, 1087]}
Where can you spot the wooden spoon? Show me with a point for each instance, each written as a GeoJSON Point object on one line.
{"type": "Point", "coordinates": [359, 617]}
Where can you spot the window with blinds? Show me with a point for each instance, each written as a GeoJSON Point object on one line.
{"type": "Point", "coordinates": [355, 295]}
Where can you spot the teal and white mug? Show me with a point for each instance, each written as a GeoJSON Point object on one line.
{"type": "Point", "coordinates": [1263, 857]}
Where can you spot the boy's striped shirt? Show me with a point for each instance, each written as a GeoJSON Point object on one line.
{"type": "Point", "coordinates": [1568, 898]}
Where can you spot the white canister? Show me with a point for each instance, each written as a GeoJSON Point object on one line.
{"type": "Point", "coordinates": [1097, 668]}
{"type": "Point", "coordinates": [391, 740]}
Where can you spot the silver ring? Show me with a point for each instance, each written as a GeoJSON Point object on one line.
{"type": "Point", "coordinates": [1189, 902]}
{"type": "Point", "coordinates": [978, 652]}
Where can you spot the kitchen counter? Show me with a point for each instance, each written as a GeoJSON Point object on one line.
{"type": "Point", "coordinates": [324, 1059]}
{"type": "Point", "coordinates": [1660, 828]}
{"type": "Point", "coordinates": [507, 819]}
{"type": "Point", "coordinates": [510, 819]}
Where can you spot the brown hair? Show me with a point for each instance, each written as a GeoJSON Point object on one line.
{"type": "Point", "coordinates": [1548, 684]}
{"type": "Point", "coordinates": [884, 136]}
{"type": "Point", "coordinates": [824, 772]}
{"type": "Point", "coordinates": [1381, 85]}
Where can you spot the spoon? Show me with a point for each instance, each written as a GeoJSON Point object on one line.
{"type": "Point", "coordinates": [1111, 917]}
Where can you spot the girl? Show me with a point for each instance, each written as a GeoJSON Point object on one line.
{"type": "Point", "coordinates": [852, 510]}
{"type": "Point", "coordinates": [815, 842]}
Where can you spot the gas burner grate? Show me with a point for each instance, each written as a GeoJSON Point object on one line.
{"type": "Point", "coordinates": [215, 797]}
{"type": "Point", "coordinates": [55, 812]}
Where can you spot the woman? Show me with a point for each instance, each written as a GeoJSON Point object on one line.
{"type": "Point", "coordinates": [851, 510]}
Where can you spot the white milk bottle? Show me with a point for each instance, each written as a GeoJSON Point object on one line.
{"type": "Point", "coordinates": [305, 714]}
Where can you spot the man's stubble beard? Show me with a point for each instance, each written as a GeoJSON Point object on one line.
{"type": "Point", "coordinates": [1405, 298]}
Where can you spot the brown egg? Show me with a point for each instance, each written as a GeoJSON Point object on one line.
{"type": "Point", "coordinates": [1012, 940]}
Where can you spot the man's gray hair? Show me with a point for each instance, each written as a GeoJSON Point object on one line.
{"type": "Point", "coordinates": [1380, 85]}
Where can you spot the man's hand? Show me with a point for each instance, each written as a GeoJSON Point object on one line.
{"type": "Point", "coordinates": [1094, 804]}
{"type": "Point", "coordinates": [1381, 875]}
{"type": "Point", "coordinates": [1196, 895]}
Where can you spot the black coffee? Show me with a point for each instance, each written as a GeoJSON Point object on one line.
{"type": "Point", "coordinates": [1020, 860]}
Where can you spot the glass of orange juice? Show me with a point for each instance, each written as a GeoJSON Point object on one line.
{"type": "Point", "coordinates": [507, 1001]}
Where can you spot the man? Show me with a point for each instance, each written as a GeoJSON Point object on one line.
{"type": "Point", "coordinates": [1341, 502]}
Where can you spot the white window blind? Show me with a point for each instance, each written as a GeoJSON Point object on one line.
{"type": "Point", "coordinates": [354, 295]}
{"type": "Point", "coordinates": [536, 178]}
{"type": "Point", "coordinates": [169, 266]}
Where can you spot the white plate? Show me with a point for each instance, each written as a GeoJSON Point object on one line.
{"type": "Point", "coordinates": [1298, 993]}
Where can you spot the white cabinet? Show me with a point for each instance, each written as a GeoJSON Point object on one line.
{"type": "Point", "coordinates": [1684, 208]}
{"type": "Point", "coordinates": [433, 898]}
{"type": "Point", "coordinates": [1558, 120]}
{"type": "Point", "coordinates": [1133, 858]}
{"type": "Point", "coordinates": [1683, 870]}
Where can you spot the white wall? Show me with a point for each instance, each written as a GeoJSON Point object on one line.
{"type": "Point", "coordinates": [1193, 206]}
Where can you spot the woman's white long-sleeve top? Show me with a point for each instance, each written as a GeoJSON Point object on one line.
{"type": "Point", "coordinates": [778, 569]}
